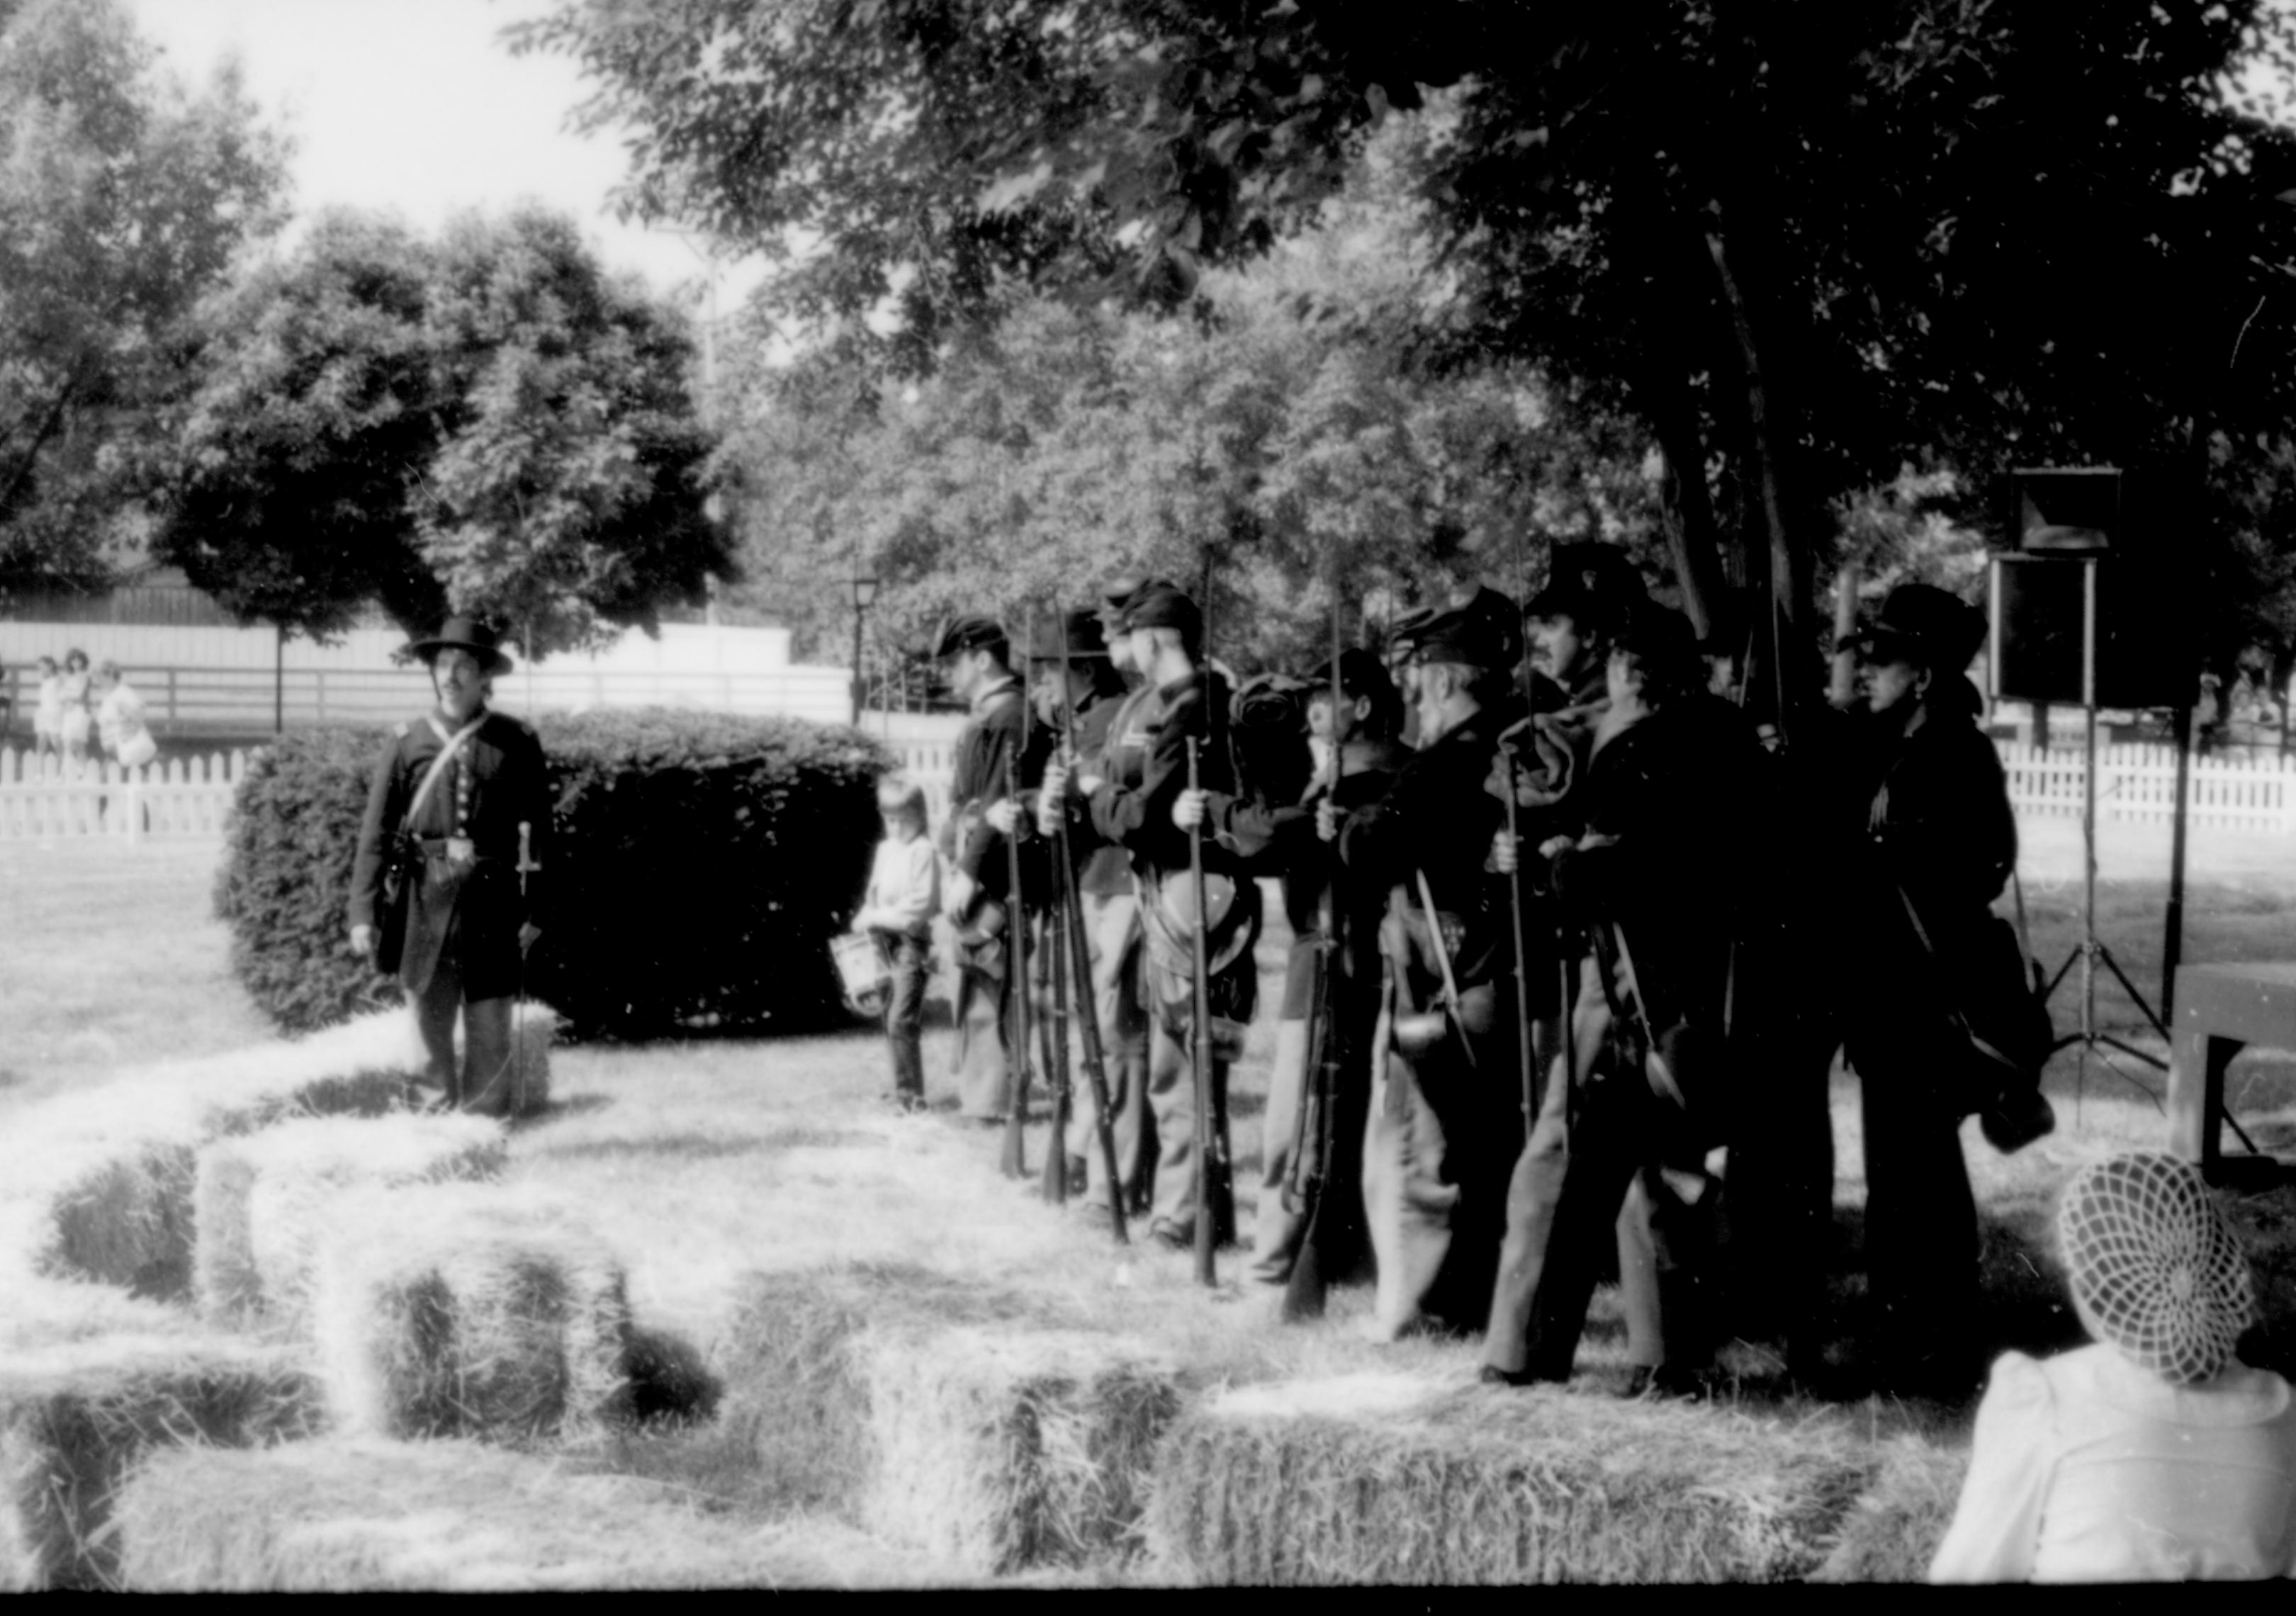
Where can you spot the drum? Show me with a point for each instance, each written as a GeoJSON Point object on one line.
{"type": "Point", "coordinates": [860, 971]}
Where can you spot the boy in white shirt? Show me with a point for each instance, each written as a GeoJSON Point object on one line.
{"type": "Point", "coordinates": [902, 897]}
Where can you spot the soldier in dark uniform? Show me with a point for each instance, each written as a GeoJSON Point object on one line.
{"type": "Point", "coordinates": [1646, 880]}
{"type": "Point", "coordinates": [1112, 910]}
{"type": "Point", "coordinates": [469, 918]}
{"type": "Point", "coordinates": [1280, 839]}
{"type": "Point", "coordinates": [1572, 623]}
{"type": "Point", "coordinates": [1132, 807]}
{"type": "Point", "coordinates": [1932, 831]}
{"type": "Point", "coordinates": [974, 661]}
{"type": "Point", "coordinates": [1445, 1122]}
{"type": "Point", "coordinates": [1089, 700]}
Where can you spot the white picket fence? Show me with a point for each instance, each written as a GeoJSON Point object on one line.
{"type": "Point", "coordinates": [2242, 790]}
{"type": "Point", "coordinates": [191, 796]}
{"type": "Point", "coordinates": [43, 797]}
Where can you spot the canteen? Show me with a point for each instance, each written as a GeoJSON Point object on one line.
{"type": "Point", "coordinates": [1414, 1035]}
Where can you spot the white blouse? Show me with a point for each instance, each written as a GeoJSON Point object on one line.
{"type": "Point", "coordinates": [2086, 1469]}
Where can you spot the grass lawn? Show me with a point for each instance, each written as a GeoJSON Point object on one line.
{"type": "Point", "coordinates": [709, 1162]}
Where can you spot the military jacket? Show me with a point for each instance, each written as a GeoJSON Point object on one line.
{"type": "Point", "coordinates": [1439, 818]}
{"type": "Point", "coordinates": [466, 910]}
{"type": "Point", "coordinates": [989, 741]}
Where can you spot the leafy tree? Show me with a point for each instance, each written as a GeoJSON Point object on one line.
{"type": "Point", "coordinates": [1805, 245]}
{"type": "Point", "coordinates": [302, 447]}
{"type": "Point", "coordinates": [125, 199]}
{"type": "Point", "coordinates": [564, 498]}
{"type": "Point", "coordinates": [489, 425]}
{"type": "Point", "coordinates": [1291, 420]}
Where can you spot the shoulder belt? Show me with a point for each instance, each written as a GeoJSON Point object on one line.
{"type": "Point", "coordinates": [454, 743]}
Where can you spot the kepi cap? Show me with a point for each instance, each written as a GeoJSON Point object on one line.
{"type": "Point", "coordinates": [1080, 629]}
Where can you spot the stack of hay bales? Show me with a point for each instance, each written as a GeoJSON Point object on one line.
{"type": "Point", "coordinates": [1892, 1532]}
{"type": "Point", "coordinates": [261, 1201]}
{"type": "Point", "coordinates": [467, 1309]}
{"type": "Point", "coordinates": [1400, 1479]}
{"type": "Point", "coordinates": [948, 1416]}
{"type": "Point", "coordinates": [101, 1185]}
{"type": "Point", "coordinates": [76, 1418]}
{"type": "Point", "coordinates": [347, 1515]}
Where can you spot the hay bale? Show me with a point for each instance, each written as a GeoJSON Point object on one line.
{"type": "Point", "coordinates": [999, 1450]}
{"type": "Point", "coordinates": [76, 1419]}
{"type": "Point", "coordinates": [1371, 1479]}
{"type": "Point", "coordinates": [976, 1425]}
{"type": "Point", "coordinates": [349, 1514]}
{"type": "Point", "coordinates": [102, 1181]}
{"type": "Point", "coordinates": [259, 1201]}
{"type": "Point", "coordinates": [126, 1220]}
{"type": "Point", "coordinates": [467, 1309]}
{"type": "Point", "coordinates": [1892, 1532]}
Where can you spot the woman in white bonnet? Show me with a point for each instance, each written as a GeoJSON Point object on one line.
{"type": "Point", "coordinates": [2154, 1454]}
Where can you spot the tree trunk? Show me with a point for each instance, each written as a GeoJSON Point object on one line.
{"type": "Point", "coordinates": [1788, 570]}
{"type": "Point", "coordinates": [1692, 536]}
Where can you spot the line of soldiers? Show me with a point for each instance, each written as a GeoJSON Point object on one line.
{"type": "Point", "coordinates": [1580, 931]}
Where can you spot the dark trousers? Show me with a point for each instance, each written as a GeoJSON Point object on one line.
{"type": "Point", "coordinates": [910, 960]}
{"type": "Point", "coordinates": [1777, 1200]}
{"type": "Point", "coordinates": [1612, 1149]}
{"type": "Point", "coordinates": [1921, 1217]}
{"type": "Point", "coordinates": [484, 1081]}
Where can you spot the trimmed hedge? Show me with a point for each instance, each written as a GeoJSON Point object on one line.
{"type": "Point", "coordinates": [702, 863]}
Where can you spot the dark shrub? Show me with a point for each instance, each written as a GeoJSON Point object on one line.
{"type": "Point", "coordinates": [703, 862]}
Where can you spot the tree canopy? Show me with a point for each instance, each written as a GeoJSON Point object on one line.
{"type": "Point", "coordinates": [1805, 245]}
{"type": "Point", "coordinates": [487, 424]}
{"type": "Point", "coordinates": [1292, 424]}
{"type": "Point", "coordinates": [123, 200]}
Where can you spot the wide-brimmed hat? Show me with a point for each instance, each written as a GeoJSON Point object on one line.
{"type": "Point", "coordinates": [1163, 607]}
{"type": "Point", "coordinates": [1592, 584]}
{"type": "Point", "coordinates": [2156, 1272]}
{"type": "Point", "coordinates": [1079, 631]}
{"type": "Point", "coordinates": [463, 634]}
{"type": "Point", "coordinates": [968, 634]}
{"type": "Point", "coordinates": [1484, 631]}
{"type": "Point", "coordinates": [1923, 623]}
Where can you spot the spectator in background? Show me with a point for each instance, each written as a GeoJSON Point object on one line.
{"type": "Point", "coordinates": [119, 719]}
{"type": "Point", "coordinates": [71, 695]}
{"type": "Point", "coordinates": [48, 717]}
{"type": "Point", "coordinates": [2154, 1453]}
{"type": "Point", "coordinates": [897, 910]}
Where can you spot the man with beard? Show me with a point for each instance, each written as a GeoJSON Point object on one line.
{"type": "Point", "coordinates": [1445, 1122]}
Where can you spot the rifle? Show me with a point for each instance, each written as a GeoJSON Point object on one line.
{"type": "Point", "coordinates": [1015, 1162]}
{"type": "Point", "coordinates": [1304, 1289]}
{"type": "Point", "coordinates": [1451, 1001]}
{"type": "Point", "coordinates": [1522, 950]}
{"type": "Point", "coordinates": [1065, 912]}
{"type": "Point", "coordinates": [1207, 1125]}
{"type": "Point", "coordinates": [1079, 956]}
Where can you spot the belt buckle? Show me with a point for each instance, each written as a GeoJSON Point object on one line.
{"type": "Point", "coordinates": [462, 850]}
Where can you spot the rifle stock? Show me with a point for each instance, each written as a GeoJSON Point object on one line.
{"type": "Point", "coordinates": [1206, 1125]}
{"type": "Point", "coordinates": [1013, 1163]}
{"type": "Point", "coordinates": [1305, 1287]}
{"type": "Point", "coordinates": [1523, 1056]}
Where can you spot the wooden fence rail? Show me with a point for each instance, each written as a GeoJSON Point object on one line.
{"type": "Point", "coordinates": [191, 796]}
